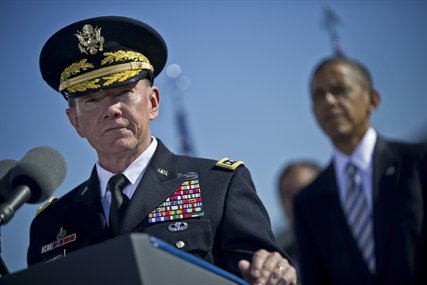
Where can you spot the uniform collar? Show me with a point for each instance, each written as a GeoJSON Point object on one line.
{"type": "Point", "coordinates": [132, 172]}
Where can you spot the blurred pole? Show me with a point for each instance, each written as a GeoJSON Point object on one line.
{"type": "Point", "coordinates": [330, 22]}
{"type": "Point", "coordinates": [179, 84]}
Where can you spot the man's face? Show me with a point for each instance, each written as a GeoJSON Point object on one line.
{"type": "Point", "coordinates": [341, 103]}
{"type": "Point", "coordinates": [117, 120]}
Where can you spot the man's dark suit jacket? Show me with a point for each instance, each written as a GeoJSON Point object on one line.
{"type": "Point", "coordinates": [235, 223]}
{"type": "Point", "coordinates": [328, 252]}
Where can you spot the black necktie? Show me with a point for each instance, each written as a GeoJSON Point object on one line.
{"type": "Point", "coordinates": [119, 201]}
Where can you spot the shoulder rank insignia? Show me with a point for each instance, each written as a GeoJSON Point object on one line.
{"type": "Point", "coordinates": [228, 163]}
{"type": "Point", "coordinates": [47, 204]}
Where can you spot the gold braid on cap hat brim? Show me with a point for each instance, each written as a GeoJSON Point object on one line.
{"type": "Point", "coordinates": [112, 73]}
{"type": "Point", "coordinates": [103, 72]}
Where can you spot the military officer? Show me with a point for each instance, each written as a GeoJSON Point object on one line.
{"type": "Point", "coordinates": [105, 67]}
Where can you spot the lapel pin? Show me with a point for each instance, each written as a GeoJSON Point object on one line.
{"type": "Point", "coordinates": [84, 191]}
{"type": "Point", "coordinates": [162, 172]}
{"type": "Point", "coordinates": [390, 171]}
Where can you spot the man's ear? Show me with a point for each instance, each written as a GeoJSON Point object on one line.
{"type": "Point", "coordinates": [374, 100]}
{"type": "Point", "coordinates": [154, 98]}
{"type": "Point", "coordinates": [74, 120]}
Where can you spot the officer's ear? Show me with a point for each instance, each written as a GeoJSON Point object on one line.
{"type": "Point", "coordinates": [154, 98]}
{"type": "Point", "coordinates": [374, 100]}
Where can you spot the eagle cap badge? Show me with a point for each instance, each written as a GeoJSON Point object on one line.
{"type": "Point", "coordinates": [90, 39]}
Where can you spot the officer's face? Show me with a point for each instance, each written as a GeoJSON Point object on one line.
{"type": "Point", "coordinates": [341, 103]}
{"type": "Point", "coordinates": [117, 120]}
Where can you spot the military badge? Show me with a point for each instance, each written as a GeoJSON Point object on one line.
{"type": "Point", "coordinates": [228, 163]}
{"type": "Point", "coordinates": [90, 39]}
{"type": "Point", "coordinates": [178, 227]}
{"type": "Point", "coordinates": [61, 239]}
{"type": "Point", "coordinates": [162, 172]}
{"type": "Point", "coordinates": [184, 203]}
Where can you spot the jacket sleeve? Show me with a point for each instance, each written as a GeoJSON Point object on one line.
{"type": "Point", "coordinates": [245, 227]}
{"type": "Point", "coordinates": [311, 267]}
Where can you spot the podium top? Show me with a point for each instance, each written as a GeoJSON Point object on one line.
{"type": "Point", "coordinates": [143, 260]}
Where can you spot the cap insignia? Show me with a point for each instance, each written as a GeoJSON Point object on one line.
{"type": "Point", "coordinates": [90, 39]}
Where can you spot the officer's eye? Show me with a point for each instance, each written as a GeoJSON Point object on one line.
{"type": "Point", "coordinates": [124, 92]}
{"type": "Point", "coordinates": [91, 100]}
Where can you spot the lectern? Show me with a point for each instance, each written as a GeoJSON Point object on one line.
{"type": "Point", "coordinates": [127, 260]}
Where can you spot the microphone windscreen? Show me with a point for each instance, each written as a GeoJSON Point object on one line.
{"type": "Point", "coordinates": [5, 166]}
{"type": "Point", "coordinates": [42, 169]}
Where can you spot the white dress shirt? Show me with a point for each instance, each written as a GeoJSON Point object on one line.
{"type": "Point", "coordinates": [362, 158]}
{"type": "Point", "coordinates": [133, 173]}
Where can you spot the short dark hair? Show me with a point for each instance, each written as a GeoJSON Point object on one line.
{"type": "Point", "coordinates": [361, 69]}
{"type": "Point", "coordinates": [309, 164]}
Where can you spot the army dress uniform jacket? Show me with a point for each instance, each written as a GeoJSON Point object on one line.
{"type": "Point", "coordinates": [328, 251]}
{"type": "Point", "coordinates": [234, 223]}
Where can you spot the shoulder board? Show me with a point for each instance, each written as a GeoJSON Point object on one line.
{"type": "Point", "coordinates": [47, 204]}
{"type": "Point", "coordinates": [228, 163]}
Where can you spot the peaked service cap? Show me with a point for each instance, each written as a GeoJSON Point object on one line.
{"type": "Point", "coordinates": [101, 53]}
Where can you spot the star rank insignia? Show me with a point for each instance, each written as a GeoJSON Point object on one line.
{"type": "Point", "coordinates": [184, 203]}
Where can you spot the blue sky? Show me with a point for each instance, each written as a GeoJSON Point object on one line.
{"type": "Point", "coordinates": [248, 62]}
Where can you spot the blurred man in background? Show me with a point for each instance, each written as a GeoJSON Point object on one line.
{"type": "Point", "coordinates": [361, 220]}
{"type": "Point", "coordinates": [293, 178]}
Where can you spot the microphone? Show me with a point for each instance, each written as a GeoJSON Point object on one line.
{"type": "Point", "coordinates": [5, 166]}
{"type": "Point", "coordinates": [33, 179]}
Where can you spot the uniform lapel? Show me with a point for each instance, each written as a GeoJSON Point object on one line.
{"type": "Point", "coordinates": [158, 183]}
{"type": "Point", "coordinates": [86, 211]}
{"type": "Point", "coordinates": [385, 176]}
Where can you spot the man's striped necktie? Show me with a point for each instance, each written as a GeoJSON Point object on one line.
{"type": "Point", "coordinates": [359, 216]}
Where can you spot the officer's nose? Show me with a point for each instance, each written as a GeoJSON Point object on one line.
{"type": "Point", "coordinates": [113, 110]}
